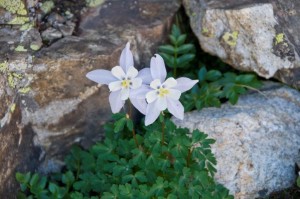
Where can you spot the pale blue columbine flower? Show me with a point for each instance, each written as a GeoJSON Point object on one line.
{"type": "Point", "coordinates": [121, 80]}
{"type": "Point", "coordinates": [162, 93]}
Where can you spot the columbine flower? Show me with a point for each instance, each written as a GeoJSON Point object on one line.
{"type": "Point", "coordinates": [164, 94]}
{"type": "Point", "coordinates": [120, 80]}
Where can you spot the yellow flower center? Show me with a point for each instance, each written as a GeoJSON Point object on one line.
{"type": "Point", "coordinates": [125, 83]}
{"type": "Point", "coordinates": [163, 92]}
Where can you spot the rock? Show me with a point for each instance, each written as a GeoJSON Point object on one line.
{"type": "Point", "coordinates": [67, 29]}
{"type": "Point", "coordinates": [55, 18]}
{"type": "Point", "coordinates": [47, 104]}
{"type": "Point", "coordinates": [251, 35]}
{"type": "Point", "coordinates": [51, 34]}
{"type": "Point", "coordinates": [257, 140]}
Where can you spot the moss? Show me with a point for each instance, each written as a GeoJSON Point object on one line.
{"type": "Point", "coordinates": [24, 90]}
{"type": "Point", "coordinates": [20, 49]}
{"type": "Point", "coordinates": [231, 38]}
{"type": "Point", "coordinates": [94, 3]}
{"type": "Point", "coordinates": [47, 6]}
{"type": "Point", "coordinates": [13, 108]}
{"type": "Point", "coordinates": [279, 38]}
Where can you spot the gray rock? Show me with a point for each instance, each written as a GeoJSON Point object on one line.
{"type": "Point", "coordinates": [50, 104]}
{"type": "Point", "coordinates": [67, 29]}
{"type": "Point", "coordinates": [251, 35]}
{"type": "Point", "coordinates": [51, 34]}
{"type": "Point", "coordinates": [257, 140]}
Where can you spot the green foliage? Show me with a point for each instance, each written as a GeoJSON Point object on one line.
{"type": "Point", "coordinates": [178, 54]}
{"type": "Point", "coordinates": [298, 181]}
{"type": "Point", "coordinates": [214, 86]}
{"type": "Point", "coordinates": [181, 166]}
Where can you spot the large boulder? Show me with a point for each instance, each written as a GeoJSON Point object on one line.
{"type": "Point", "coordinates": [257, 140]}
{"type": "Point", "coordinates": [46, 102]}
{"type": "Point", "coordinates": [251, 35]}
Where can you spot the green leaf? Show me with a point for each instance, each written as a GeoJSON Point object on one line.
{"type": "Point", "coordinates": [181, 39]}
{"type": "Point", "coordinates": [185, 48]}
{"type": "Point", "coordinates": [34, 180]}
{"type": "Point", "coordinates": [167, 49]}
{"type": "Point", "coordinates": [185, 59]}
{"type": "Point", "coordinates": [176, 31]}
{"type": "Point", "coordinates": [119, 125]}
{"type": "Point", "coordinates": [213, 75]}
{"type": "Point", "coordinates": [129, 124]}
{"type": "Point", "coordinates": [298, 181]}
{"type": "Point", "coordinates": [202, 74]}
{"type": "Point", "coordinates": [173, 40]}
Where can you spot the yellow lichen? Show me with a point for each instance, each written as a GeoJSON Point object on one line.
{"type": "Point", "coordinates": [20, 49]}
{"type": "Point", "coordinates": [94, 3]}
{"type": "Point", "coordinates": [279, 38]}
{"type": "Point", "coordinates": [12, 107]}
{"type": "Point", "coordinates": [24, 90]}
{"type": "Point", "coordinates": [14, 6]}
{"type": "Point", "coordinates": [35, 47]}
{"type": "Point", "coordinates": [26, 26]}
{"type": "Point", "coordinates": [4, 67]}
{"type": "Point", "coordinates": [47, 6]}
{"type": "Point", "coordinates": [231, 38]}
{"type": "Point", "coordinates": [19, 21]}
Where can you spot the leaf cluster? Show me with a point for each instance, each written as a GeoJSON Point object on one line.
{"type": "Point", "coordinates": [178, 54]}
{"type": "Point", "coordinates": [215, 87]}
{"type": "Point", "coordinates": [180, 165]}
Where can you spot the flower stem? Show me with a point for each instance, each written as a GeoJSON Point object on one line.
{"type": "Point", "coordinates": [133, 130]}
{"type": "Point", "coordinates": [163, 130]}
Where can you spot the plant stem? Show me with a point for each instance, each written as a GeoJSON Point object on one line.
{"type": "Point", "coordinates": [254, 89]}
{"type": "Point", "coordinates": [133, 131]}
{"type": "Point", "coordinates": [162, 130]}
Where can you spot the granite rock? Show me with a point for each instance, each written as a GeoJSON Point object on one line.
{"type": "Point", "coordinates": [251, 35]}
{"type": "Point", "coordinates": [257, 140]}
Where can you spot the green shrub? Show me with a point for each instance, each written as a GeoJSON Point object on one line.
{"type": "Point", "coordinates": [167, 163]}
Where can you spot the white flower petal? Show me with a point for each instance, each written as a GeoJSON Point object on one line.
{"type": "Point", "coordinates": [184, 84]}
{"type": "Point", "coordinates": [174, 94]}
{"type": "Point", "coordinates": [161, 103]}
{"type": "Point", "coordinates": [114, 86]}
{"type": "Point", "coordinates": [118, 72]}
{"type": "Point", "coordinates": [170, 82]}
{"type": "Point", "coordinates": [155, 84]}
{"type": "Point", "coordinates": [139, 104]}
{"type": "Point", "coordinates": [145, 74]}
{"type": "Point", "coordinates": [132, 72]}
{"type": "Point", "coordinates": [125, 93]}
{"type": "Point", "coordinates": [136, 83]}
{"type": "Point", "coordinates": [158, 68]}
{"type": "Point", "coordinates": [151, 96]}
{"type": "Point", "coordinates": [126, 58]}
{"type": "Point", "coordinates": [152, 114]}
{"type": "Point", "coordinates": [101, 76]}
{"type": "Point", "coordinates": [115, 101]}
{"type": "Point", "coordinates": [141, 92]}
{"type": "Point", "coordinates": [176, 108]}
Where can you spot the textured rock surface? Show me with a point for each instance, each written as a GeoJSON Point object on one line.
{"type": "Point", "coordinates": [251, 35]}
{"type": "Point", "coordinates": [47, 104]}
{"type": "Point", "coordinates": [257, 140]}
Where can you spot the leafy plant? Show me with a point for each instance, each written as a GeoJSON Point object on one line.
{"type": "Point", "coordinates": [175, 165]}
{"type": "Point", "coordinates": [178, 54]}
{"type": "Point", "coordinates": [214, 86]}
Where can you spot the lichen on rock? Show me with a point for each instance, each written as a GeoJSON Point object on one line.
{"type": "Point", "coordinates": [231, 38]}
